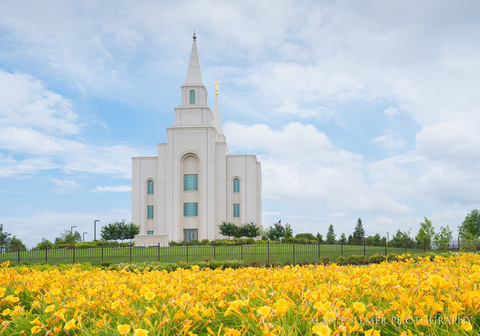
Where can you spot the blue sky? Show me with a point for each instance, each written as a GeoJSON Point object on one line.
{"type": "Point", "coordinates": [355, 109]}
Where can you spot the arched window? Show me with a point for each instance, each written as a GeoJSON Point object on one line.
{"type": "Point", "coordinates": [150, 187]}
{"type": "Point", "coordinates": [192, 96]}
{"type": "Point", "coordinates": [236, 185]}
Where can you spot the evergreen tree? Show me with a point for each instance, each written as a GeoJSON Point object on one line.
{"type": "Point", "coordinates": [343, 239]}
{"type": "Point", "coordinates": [359, 233]}
{"type": "Point", "coordinates": [331, 235]}
{"type": "Point", "coordinates": [319, 237]}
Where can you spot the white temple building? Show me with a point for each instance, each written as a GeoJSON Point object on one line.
{"type": "Point", "coordinates": [194, 183]}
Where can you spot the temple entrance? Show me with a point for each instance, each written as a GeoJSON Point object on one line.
{"type": "Point", "coordinates": [191, 234]}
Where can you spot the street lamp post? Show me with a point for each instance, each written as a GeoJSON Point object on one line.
{"type": "Point", "coordinates": [95, 229]}
{"type": "Point", "coordinates": [71, 228]}
{"type": "Point", "coordinates": [84, 235]}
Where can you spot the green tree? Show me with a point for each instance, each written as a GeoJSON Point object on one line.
{"type": "Point", "coordinates": [469, 243]}
{"type": "Point", "coordinates": [68, 237]}
{"type": "Point", "coordinates": [401, 239]}
{"type": "Point", "coordinates": [359, 233]}
{"type": "Point", "coordinates": [288, 231]}
{"type": "Point", "coordinates": [45, 243]}
{"type": "Point", "coordinates": [16, 244]}
{"type": "Point", "coordinates": [250, 230]}
{"type": "Point", "coordinates": [119, 231]}
{"type": "Point", "coordinates": [319, 237]}
{"type": "Point", "coordinates": [308, 236]}
{"type": "Point", "coordinates": [130, 231]}
{"type": "Point", "coordinates": [425, 234]}
{"type": "Point", "coordinates": [343, 239]}
{"type": "Point", "coordinates": [471, 224]}
{"type": "Point", "coordinates": [228, 229]}
{"type": "Point", "coordinates": [375, 240]}
{"type": "Point", "coordinates": [442, 238]}
{"type": "Point", "coordinates": [4, 239]}
{"type": "Point", "coordinates": [331, 235]}
{"type": "Point", "coordinates": [275, 232]}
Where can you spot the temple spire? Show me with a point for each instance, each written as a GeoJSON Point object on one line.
{"type": "Point", "coordinates": [217, 122]}
{"type": "Point", "coordinates": [194, 76]}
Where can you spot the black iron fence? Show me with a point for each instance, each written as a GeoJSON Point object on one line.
{"type": "Point", "coordinates": [266, 253]}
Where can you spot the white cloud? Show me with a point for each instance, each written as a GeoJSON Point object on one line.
{"type": "Point", "coordinates": [300, 163]}
{"type": "Point", "coordinates": [25, 101]}
{"type": "Point", "coordinates": [119, 188]}
{"type": "Point", "coordinates": [64, 186]}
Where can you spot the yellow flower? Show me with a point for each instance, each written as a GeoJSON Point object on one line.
{"type": "Point", "coordinates": [234, 305]}
{"type": "Point", "coordinates": [385, 280]}
{"type": "Point", "coordinates": [2, 291]}
{"type": "Point", "coordinates": [264, 311]}
{"type": "Point", "coordinates": [149, 296]}
{"type": "Point", "coordinates": [423, 322]}
{"type": "Point", "coordinates": [12, 299]}
{"type": "Point", "coordinates": [115, 304]}
{"type": "Point", "coordinates": [140, 332]}
{"type": "Point", "coordinates": [36, 322]}
{"type": "Point", "coordinates": [150, 311]}
{"type": "Point", "coordinates": [329, 317]}
{"type": "Point", "coordinates": [281, 306]}
{"type": "Point", "coordinates": [232, 332]}
{"type": "Point", "coordinates": [123, 329]}
{"type": "Point", "coordinates": [372, 332]}
{"type": "Point", "coordinates": [60, 314]}
{"type": "Point", "coordinates": [192, 311]}
{"type": "Point", "coordinates": [55, 291]}
{"type": "Point", "coordinates": [70, 325]}
{"type": "Point", "coordinates": [35, 330]}
{"type": "Point", "coordinates": [321, 330]}
{"type": "Point", "coordinates": [7, 312]}
{"type": "Point", "coordinates": [359, 307]}
{"type": "Point", "coordinates": [50, 309]}
{"type": "Point", "coordinates": [466, 325]}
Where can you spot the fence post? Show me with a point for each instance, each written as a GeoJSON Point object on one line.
{"type": "Point", "coordinates": [73, 252]}
{"type": "Point", "coordinates": [131, 245]}
{"type": "Point", "coordinates": [214, 250]}
{"type": "Point", "coordinates": [424, 244]}
{"type": "Point", "coordinates": [364, 246]}
{"type": "Point", "coordinates": [318, 248]}
{"type": "Point", "coordinates": [342, 248]}
{"type": "Point", "coordinates": [385, 247]}
{"type": "Point", "coordinates": [102, 252]}
{"type": "Point", "coordinates": [187, 252]}
{"type": "Point", "coordinates": [46, 258]}
{"type": "Point", "coordinates": [458, 239]}
{"type": "Point", "coordinates": [294, 251]}
{"type": "Point", "coordinates": [268, 249]}
{"type": "Point", "coordinates": [19, 254]}
{"type": "Point", "coordinates": [405, 244]}
{"type": "Point", "coordinates": [159, 251]}
{"type": "Point", "coordinates": [241, 250]}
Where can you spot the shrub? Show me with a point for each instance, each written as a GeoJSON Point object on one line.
{"type": "Point", "coordinates": [250, 241]}
{"type": "Point", "coordinates": [341, 260]}
{"type": "Point", "coordinates": [324, 260]}
{"type": "Point", "coordinates": [193, 242]}
{"type": "Point", "coordinates": [204, 242]}
{"type": "Point", "coordinates": [357, 259]}
{"type": "Point", "coordinates": [377, 258]}
{"type": "Point", "coordinates": [392, 257]}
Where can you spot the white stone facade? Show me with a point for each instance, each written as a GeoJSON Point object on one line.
{"type": "Point", "coordinates": [194, 183]}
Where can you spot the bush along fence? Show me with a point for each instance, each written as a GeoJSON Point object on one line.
{"type": "Point", "coordinates": [257, 253]}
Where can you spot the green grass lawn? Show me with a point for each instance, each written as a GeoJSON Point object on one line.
{"type": "Point", "coordinates": [263, 253]}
